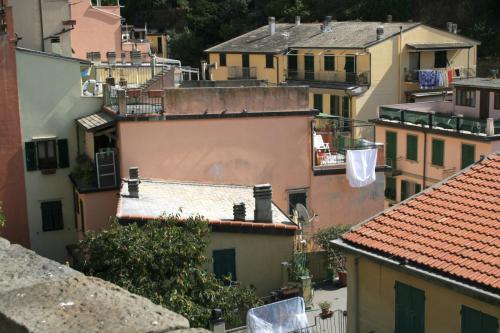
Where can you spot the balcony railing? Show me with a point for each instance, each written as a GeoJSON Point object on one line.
{"type": "Point", "coordinates": [457, 74]}
{"type": "Point", "coordinates": [134, 102]}
{"type": "Point", "coordinates": [360, 78]}
{"type": "Point", "coordinates": [238, 73]}
{"type": "Point", "coordinates": [334, 136]}
{"type": "Point", "coordinates": [443, 121]}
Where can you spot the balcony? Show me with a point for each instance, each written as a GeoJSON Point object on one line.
{"type": "Point", "coordinates": [134, 102]}
{"type": "Point", "coordinates": [100, 174]}
{"type": "Point", "coordinates": [411, 76]}
{"type": "Point", "coordinates": [358, 78]}
{"type": "Point", "coordinates": [241, 73]}
{"type": "Point", "coordinates": [334, 136]}
{"type": "Point", "coordinates": [438, 115]}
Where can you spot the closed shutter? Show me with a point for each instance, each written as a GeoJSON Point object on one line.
{"type": "Point", "coordinates": [410, 309]}
{"type": "Point", "coordinates": [437, 152]}
{"type": "Point", "coordinates": [63, 153]}
{"type": "Point", "coordinates": [411, 147]}
{"type": "Point", "coordinates": [346, 107]}
{"type": "Point", "coordinates": [318, 102]}
{"type": "Point", "coordinates": [269, 61]}
{"type": "Point", "coordinates": [334, 105]}
{"type": "Point", "coordinates": [474, 321]}
{"type": "Point", "coordinates": [30, 151]}
{"type": "Point", "coordinates": [329, 63]}
{"type": "Point", "coordinates": [225, 263]}
{"type": "Point", "coordinates": [468, 155]}
{"type": "Point", "coordinates": [404, 190]}
{"type": "Point", "coordinates": [391, 148]}
{"type": "Point", "coordinates": [390, 188]}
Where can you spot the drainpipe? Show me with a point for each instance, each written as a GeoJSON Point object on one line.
{"type": "Point", "coordinates": [41, 24]}
{"type": "Point", "coordinates": [424, 171]}
{"type": "Point", "coordinates": [468, 63]}
{"type": "Point", "coordinates": [399, 62]}
{"type": "Point", "coordinates": [356, 288]}
{"type": "Point", "coordinates": [277, 69]}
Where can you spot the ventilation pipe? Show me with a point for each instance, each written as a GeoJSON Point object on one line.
{"type": "Point", "coordinates": [455, 28]}
{"type": "Point", "coordinates": [380, 32]}
{"type": "Point", "coordinates": [263, 203]}
{"type": "Point", "coordinates": [327, 24]}
{"type": "Point", "coordinates": [449, 26]}
{"type": "Point", "coordinates": [133, 182]}
{"type": "Point", "coordinates": [389, 18]}
{"type": "Point", "coordinates": [297, 20]}
{"type": "Point", "coordinates": [272, 25]}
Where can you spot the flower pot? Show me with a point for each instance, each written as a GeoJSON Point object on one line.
{"type": "Point", "coordinates": [326, 313]}
{"type": "Point", "coordinates": [155, 93]}
{"type": "Point", "coordinates": [342, 278]}
{"type": "Point", "coordinates": [134, 92]}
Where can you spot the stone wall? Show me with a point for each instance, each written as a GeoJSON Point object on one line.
{"type": "Point", "coordinates": [41, 295]}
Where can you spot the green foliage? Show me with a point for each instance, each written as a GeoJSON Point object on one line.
{"type": "Point", "coordinates": [298, 266]}
{"type": "Point", "coordinates": [2, 216]}
{"type": "Point", "coordinates": [335, 258]}
{"type": "Point", "coordinates": [325, 305]}
{"type": "Point", "coordinates": [161, 260]}
{"type": "Point", "coordinates": [83, 171]}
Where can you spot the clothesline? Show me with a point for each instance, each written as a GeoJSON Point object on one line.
{"type": "Point", "coordinates": [434, 78]}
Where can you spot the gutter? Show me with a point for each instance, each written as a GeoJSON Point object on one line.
{"type": "Point", "coordinates": [41, 24]}
{"type": "Point", "coordinates": [481, 294]}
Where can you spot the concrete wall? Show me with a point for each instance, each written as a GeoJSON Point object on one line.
{"type": "Point", "coordinates": [272, 75]}
{"type": "Point", "coordinates": [99, 208]}
{"type": "Point", "coordinates": [49, 104]}
{"type": "Point", "coordinates": [258, 257]}
{"type": "Point", "coordinates": [98, 29]}
{"type": "Point", "coordinates": [186, 101]}
{"type": "Point", "coordinates": [27, 24]}
{"type": "Point", "coordinates": [377, 300]}
{"type": "Point", "coordinates": [12, 191]}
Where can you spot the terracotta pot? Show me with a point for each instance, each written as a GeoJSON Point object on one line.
{"type": "Point", "coordinates": [134, 92]}
{"type": "Point", "coordinates": [155, 93]}
{"type": "Point", "coordinates": [326, 313]}
{"type": "Point", "coordinates": [342, 278]}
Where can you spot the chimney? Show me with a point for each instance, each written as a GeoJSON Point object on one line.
{"type": "Point", "coordinates": [389, 18]}
{"type": "Point", "coordinates": [239, 211]}
{"type": "Point", "coordinates": [380, 32]}
{"type": "Point", "coordinates": [263, 203]}
{"type": "Point", "coordinates": [449, 26]}
{"type": "Point", "coordinates": [327, 24]}
{"type": "Point", "coordinates": [297, 20]}
{"type": "Point", "coordinates": [272, 25]}
{"type": "Point", "coordinates": [133, 182]}
{"type": "Point", "coordinates": [454, 28]}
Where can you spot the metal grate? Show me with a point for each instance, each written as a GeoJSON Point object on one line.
{"type": "Point", "coordinates": [106, 169]}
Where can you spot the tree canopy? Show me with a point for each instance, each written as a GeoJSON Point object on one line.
{"type": "Point", "coordinates": [162, 260]}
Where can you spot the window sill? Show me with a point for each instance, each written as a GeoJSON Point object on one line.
{"type": "Point", "coordinates": [48, 171]}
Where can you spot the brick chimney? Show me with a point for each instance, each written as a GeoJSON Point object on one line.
{"type": "Point", "coordinates": [272, 25]}
{"type": "Point", "coordinates": [263, 203]}
{"type": "Point", "coordinates": [239, 211]}
{"type": "Point", "coordinates": [133, 182]}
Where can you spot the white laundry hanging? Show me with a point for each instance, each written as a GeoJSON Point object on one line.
{"type": "Point", "coordinates": [360, 164]}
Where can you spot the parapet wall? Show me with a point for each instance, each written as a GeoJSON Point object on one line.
{"type": "Point", "coordinates": [41, 295]}
{"type": "Point", "coordinates": [190, 101]}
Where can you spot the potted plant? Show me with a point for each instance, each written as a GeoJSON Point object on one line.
{"type": "Point", "coordinates": [325, 309]}
{"type": "Point", "coordinates": [134, 92]}
{"type": "Point", "coordinates": [300, 277]}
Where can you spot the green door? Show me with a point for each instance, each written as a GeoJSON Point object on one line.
{"type": "Point", "coordinates": [474, 321]}
{"type": "Point", "coordinates": [391, 148]}
{"type": "Point", "coordinates": [468, 154]}
{"type": "Point", "coordinates": [309, 67]}
{"type": "Point", "coordinates": [410, 309]}
{"type": "Point", "coordinates": [224, 263]}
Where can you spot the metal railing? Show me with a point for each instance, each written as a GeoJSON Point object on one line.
{"type": "Point", "coordinates": [361, 78]}
{"type": "Point", "coordinates": [133, 102]}
{"type": "Point", "coordinates": [458, 73]}
{"type": "Point", "coordinates": [438, 120]}
{"type": "Point", "coordinates": [236, 72]}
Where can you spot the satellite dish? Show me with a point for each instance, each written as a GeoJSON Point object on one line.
{"type": "Point", "coordinates": [303, 216]}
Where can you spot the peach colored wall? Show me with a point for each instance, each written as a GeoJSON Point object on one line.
{"type": "Point", "coordinates": [246, 151]}
{"type": "Point", "coordinates": [96, 29]}
{"type": "Point", "coordinates": [98, 208]}
{"type": "Point", "coordinates": [494, 113]}
{"type": "Point", "coordinates": [12, 182]}
{"type": "Point", "coordinates": [129, 46]}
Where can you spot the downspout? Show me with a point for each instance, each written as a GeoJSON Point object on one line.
{"type": "Point", "coordinates": [41, 24]}
{"type": "Point", "coordinates": [424, 171]}
{"type": "Point", "coordinates": [277, 70]}
{"type": "Point", "coordinates": [399, 62]}
{"type": "Point", "coordinates": [468, 63]}
{"type": "Point", "coordinates": [356, 288]}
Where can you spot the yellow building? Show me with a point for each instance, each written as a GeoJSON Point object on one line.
{"type": "Point", "coordinates": [350, 67]}
{"type": "Point", "coordinates": [429, 141]}
{"type": "Point", "coordinates": [158, 43]}
{"type": "Point", "coordinates": [429, 264]}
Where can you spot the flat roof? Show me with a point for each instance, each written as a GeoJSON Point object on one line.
{"type": "Point", "coordinates": [478, 82]}
{"type": "Point", "coordinates": [213, 202]}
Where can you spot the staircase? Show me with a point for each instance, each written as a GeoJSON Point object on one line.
{"type": "Point", "coordinates": [156, 82]}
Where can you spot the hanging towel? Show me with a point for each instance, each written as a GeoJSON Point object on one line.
{"type": "Point", "coordinates": [428, 78]}
{"type": "Point", "coordinates": [450, 75]}
{"type": "Point", "coordinates": [360, 165]}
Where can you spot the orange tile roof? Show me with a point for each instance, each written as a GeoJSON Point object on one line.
{"type": "Point", "coordinates": [452, 228]}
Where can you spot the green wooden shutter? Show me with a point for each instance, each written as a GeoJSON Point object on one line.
{"type": "Point", "coordinates": [346, 107]}
{"type": "Point", "coordinates": [410, 309]}
{"type": "Point", "coordinates": [30, 151]}
{"type": "Point", "coordinates": [318, 102]}
{"type": "Point", "coordinates": [437, 152]}
{"type": "Point", "coordinates": [390, 188]}
{"type": "Point", "coordinates": [468, 155]}
{"type": "Point", "coordinates": [391, 148]}
{"type": "Point", "coordinates": [52, 218]}
{"type": "Point", "coordinates": [334, 105]}
{"type": "Point", "coordinates": [63, 153]}
{"type": "Point", "coordinates": [224, 263]}
{"type": "Point", "coordinates": [404, 189]}
{"type": "Point", "coordinates": [489, 324]}
{"type": "Point", "coordinates": [411, 147]}
{"type": "Point", "coordinates": [418, 188]}
{"type": "Point", "coordinates": [329, 63]}
{"type": "Point", "coordinates": [474, 321]}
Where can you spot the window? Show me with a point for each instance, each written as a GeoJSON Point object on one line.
{"type": "Point", "coordinates": [409, 188]}
{"type": "Point", "coordinates": [269, 61]}
{"type": "Point", "coordinates": [409, 309]}
{"type": "Point", "coordinates": [225, 263]}
{"type": "Point", "coordinates": [411, 147]}
{"type": "Point", "coordinates": [466, 97]}
{"type": "Point", "coordinates": [391, 148]}
{"type": "Point", "coordinates": [52, 218]}
{"type": "Point", "coordinates": [474, 321]}
{"type": "Point", "coordinates": [390, 188]}
{"type": "Point", "coordinates": [222, 59]}
{"type": "Point", "coordinates": [42, 155]}
{"type": "Point", "coordinates": [318, 102]}
{"type": "Point", "coordinates": [329, 63]}
{"type": "Point", "coordinates": [437, 152]}
{"type": "Point", "coordinates": [440, 59]}
{"type": "Point", "coordinates": [468, 155]}
{"type": "Point", "coordinates": [335, 105]}
{"type": "Point", "coordinates": [346, 107]}
{"type": "Point", "coordinates": [497, 101]}
{"type": "Point", "coordinates": [296, 197]}
{"type": "Point", "coordinates": [414, 61]}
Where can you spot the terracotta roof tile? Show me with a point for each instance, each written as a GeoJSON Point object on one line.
{"type": "Point", "coordinates": [453, 227]}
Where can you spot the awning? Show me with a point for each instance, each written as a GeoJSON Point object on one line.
{"type": "Point", "coordinates": [96, 121]}
{"type": "Point", "coordinates": [439, 46]}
